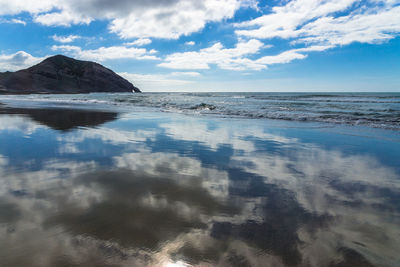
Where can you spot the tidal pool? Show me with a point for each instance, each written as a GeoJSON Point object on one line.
{"type": "Point", "coordinates": [104, 188]}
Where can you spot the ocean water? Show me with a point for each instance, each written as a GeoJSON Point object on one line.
{"type": "Point", "coordinates": [92, 180]}
{"type": "Point", "coordinates": [379, 110]}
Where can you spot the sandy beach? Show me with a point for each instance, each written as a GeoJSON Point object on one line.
{"type": "Point", "coordinates": [110, 188]}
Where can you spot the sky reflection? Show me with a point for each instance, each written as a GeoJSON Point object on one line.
{"type": "Point", "coordinates": [124, 189]}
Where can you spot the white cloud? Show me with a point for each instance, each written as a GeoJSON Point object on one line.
{"type": "Point", "coordinates": [107, 53]}
{"type": "Point", "coordinates": [17, 61]}
{"type": "Point", "coordinates": [13, 21]}
{"type": "Point", "coordinates": [64, 18]}
{"type": "Point", "coordinates": [225, 58]}
{"type": "Point", "coordinates": [130, 19]}
{"type": "Point", "coordinates": [186, 73]}
{"type": "Point", "coordinates": [173, 20]}
{"type": "Point", "coordinates": [140, 42]}
{"type": "Point", "coordinates": [371, 27]}
{"type": "Point", "coordinates": [66, 48]}
{"type": "Point", "coordinates": [31, 6]}
{"type": "Point", "coordinates": [18, 21]}
{"type": "Point", "coordinates": [309, 22]}
{"type": "Point", "coordinates": [290, 55]}
{"type": "Point", "coordinates": [65, 39]}
{"type": "Point", "coordinates": [316, 23]}
{"type": "Point", "coordinates": [174, 81]}
{"type": "Point", "coordinates": [156, 82]}
{"type": "Point", "coordinates": [313, 48]}
{"type": "Point", "coordinates": [284, 20]}
{"type": "Point", "coordinates": [234, 58]}
{"type": "Point", "coordinates": [307, 25]}
{"type": "Point", "coordinates": [284, 57]}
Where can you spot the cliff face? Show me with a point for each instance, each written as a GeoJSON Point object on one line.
{"type": "Point", "coordinates": [63, 75]}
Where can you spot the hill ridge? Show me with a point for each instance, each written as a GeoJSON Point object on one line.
{"type": "Point", "coordinates": [60, 74]}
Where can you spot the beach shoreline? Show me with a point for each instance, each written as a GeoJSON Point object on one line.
{"type": "Point", "coordinates": [162, 187]}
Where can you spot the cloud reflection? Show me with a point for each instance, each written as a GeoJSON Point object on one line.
{"type": "Point", "coordinates": [275, 201]}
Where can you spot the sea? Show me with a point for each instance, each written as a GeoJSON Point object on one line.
{"type": "Point", "coordinates": [200, 179]}
{"type": "Point", "coordinates": [379, 110]}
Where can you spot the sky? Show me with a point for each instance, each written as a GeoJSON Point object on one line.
{"type": "Point", "coordinates": [214, 45]}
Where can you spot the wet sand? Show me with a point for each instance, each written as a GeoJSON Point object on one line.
{"type": "Point", "coordinates": [103, 188]}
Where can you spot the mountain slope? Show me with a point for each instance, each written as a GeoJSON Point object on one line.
{"type": "Point", "coordinates": [63, 75]}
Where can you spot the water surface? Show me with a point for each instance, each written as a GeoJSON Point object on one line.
{"type": "Point", "coordinates": [109, 188]}
{"type": "Point", "coordinates": [378, 110]}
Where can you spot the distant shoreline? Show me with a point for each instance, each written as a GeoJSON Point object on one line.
{"type": "Point", "coordinates": [379, 110]}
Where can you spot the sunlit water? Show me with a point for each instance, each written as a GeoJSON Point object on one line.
{"type": "Point", "coordinates": [93, 188]}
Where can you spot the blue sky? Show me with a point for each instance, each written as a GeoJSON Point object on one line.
{"type": "Point", "coordinates": [214, 45]}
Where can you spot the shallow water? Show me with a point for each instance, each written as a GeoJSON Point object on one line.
{"type": "Point", "coordinates": [110, 188]}
{"type": "Point", "coordinates": [379, 110]}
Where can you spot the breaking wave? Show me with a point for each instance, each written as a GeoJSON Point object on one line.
{"type": "Point", "coordinates": [381, 110]}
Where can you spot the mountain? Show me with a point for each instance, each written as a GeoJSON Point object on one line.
{"type": "Point", "coordinates": [63, 75]}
